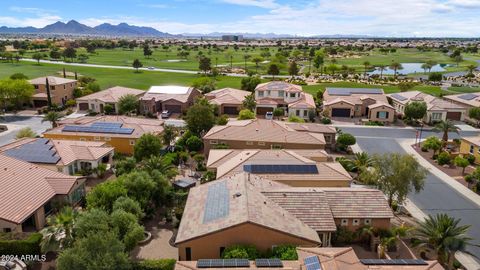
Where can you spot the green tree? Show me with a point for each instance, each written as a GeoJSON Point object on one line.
{"type": "Point", "coordinates": [96, 251]}
{"type": "Point", "coordinates": [168, 134]}
{"type": "Point", "coordinates": [445, 127]}
{"type": "Point", "coordinates": [345, 139]}
{"type": "Point", "coordinates": [435, 77]}
{"type": "Point", "coordinates": [125, 166]}
{"type": "Point", "coordinates": [25, 133]}
{"type": "Point", "coordinates": [278, 112]}
{"type": "Point", "coordinates": [318, 60]}
{"type": "Point", "coordinates": [194, 143]}
{"type": "Point", "coordinates": [382, 68]}
{"type": "Point", "coordinates": [471, 68]}
{"type": "Point", "coordinates": [433, 143]}
{"type": "Point", "coordinates": [204, 64]}
{"type": "Point", "coordinates": [293, 69]}
{"type": "Point", "coordinates": [396, 175]}
{"type": "Point", "coordinates": [18, 76]}
{"type": "Point", "coordinates": [139, 186]}
{"type": "Point", "coordinates": [128, 104]}
{"type": "Point", "coordinates": [147, 145]}
{"type": "Point", "coordinates": [366, 66]}
{"type": "Point", "coordinates": [360, 163]}
{"type": "Point", "coordinates": [395, 66]}
{"type": "Point", "coordinates": [241, 252]}
{"type": "Point", "coordinates": [105, 194]}
{"type": "Point", "coordinates": [128, 205]}
{"type": "Point", "coordinates": [406, 86]}
{"type": "Point", "coordinates": [415, 110]}
{"type": "Point", "coordinates": [257, 60]}
{"type": "Point", "coordinates": [474, 113]}
{"type": "Point", "coordinates": [461, 162]}
{"type": "Point", "coordinates": [204, 84]}
{"type": "Point", "coordinates": [200, 118]}
{"type": "Point", "coordinates": [58, 234]}
{"type": "Point", "coordinates": [70, 53]}
{"type": "Point", "coordinates": [137, 64]}
{"type": "Point", "coordinates": [249, 102]}
{"type": "Point", "coordinates": [458, 59]}
{"type": "Point", "coordinates": [147, 52]}
{"type": "Point", "coordinates": [108, 109]}
{"type": "Point", "coordinates": [82, 58]}
{"type": "Point", "coordinates": [444, 235]}
{"type": "Point", "coordinates": [273, 70]}
{"type": "Point", "coordinates": [92, 221]}
{"type": "Point", "coordinates": [38, 57]}
{"type": "Point", "coordinates": [250, 83]}
{"type": "Point", "coordinates": [127, 228]}
{"type": "Point", "coordinates": [53, 117]}
{"type": "Point", "coordinates": [246, 114]}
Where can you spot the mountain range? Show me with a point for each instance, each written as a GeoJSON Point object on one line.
{"type": "Point", "coordinates": [75, 28]}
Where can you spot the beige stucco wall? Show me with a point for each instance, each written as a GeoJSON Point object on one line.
{"type": "Point", "coordinates": [381, 223]}
{"type": "Point", "coordinates": [313, 183]}
{"type": "Point", "coordinates": [373, 114]}
{"type": "Point", "coordinates": [340, 105]}
{"type": "Point", "coordinates": [60, 91]}
{"type": "Point", "coordinates": [256, 145]}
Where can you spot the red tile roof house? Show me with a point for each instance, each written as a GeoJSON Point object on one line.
{"type": "Point", "coordinates": [368, 103]}
{"type": "Point", "coordinates": [66, 156]}
{"type": "Point", "coordinates": [175, 99]}
{"type": "Point", "coordinates": [247, 209]}
{"type": "Point", "coordinates": [228, 100]}
{"type": "Point", "coordinates": [279, 94]}
{"type": "Point", "coordinates": [438, 109]}
{"type": "Point", "coordinates": [467, 100]}
{"type": "Point", "coordinates": [96, 102]}
{"type": "Point", "coordinates": [61, 90]}
{"type": "Point", "coordinates": [28, 191]}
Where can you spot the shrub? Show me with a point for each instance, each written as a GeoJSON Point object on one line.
{"type": "Point", "coordinates": [241, 252]}
{"type": "Point", "coordinates": [108, 109]}
{"type": "Point", "coordinates": [343, 236]}
{"type": "Point", "coordinates": [222, 120]}
{"type": "Point", "coordinates": [246, 114]}
{"type": "Point", "coordinates": [285, 252]}
{"type": "Point", "coordinates": [29, 246]}
{"type": "Point", "coordinates": [194, 143]}
{"type": "Point", "coordinates": [326, 121]}
{"type": "Point", "coordinates": [160, 264]}
{"type": "Point", "coordinates": [295, 119]}
{"type": "Point", "coordinates": [344, 140]}
{"type": "Point", "coordinates": [424, 148]}
{"type": "Point", "coordinates": [470, 158]}
{"type": "Point", "coordinates": [443, 158]}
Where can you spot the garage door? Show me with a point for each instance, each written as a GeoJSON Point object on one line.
{"type": "Point", "coordinates": [173, 108]}
{"type": "Point", "coordinates": [263, 111]}
{"type": "Point", "coordinates": [340, 112]}
{"type": "Point", "coordinates": [230, 110]}
{"type": "Point", "coordinates": [454, 116]}
{"type": "Point", "coordinates": [40, 103]}
{"type": "Point", "coordinates": [83, 106]}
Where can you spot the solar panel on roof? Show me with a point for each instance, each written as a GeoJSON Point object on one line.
{"type": "Point", "coordinates": [312, 263]}
{"type": "Point", "coordinates": [107, 124]}
{"type": "Point", "coordinates": [281, 168]}
{"type": "Point", "coordinates": [268, 263]}
{"type": "Point", "coordinates": [222, 263]}
{"type": "Point", "coordinates": [217, 203]}
{"type": "Point", "coordinates": [350, 91]}
{"type": "Point", "coordinates": [38, 151]}
{"type": "Point", "coordinates": [399, 97]}
{"type": "Point", "coordinates": [468, 96]}
{"type": "Point", "coordinates": [393, 262]}
{"type": "Point", "coordinates": [98, 129]}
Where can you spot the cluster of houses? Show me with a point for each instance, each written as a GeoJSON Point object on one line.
{"type": "Point", "coordinates": [275, 182]}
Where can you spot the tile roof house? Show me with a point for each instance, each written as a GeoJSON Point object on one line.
{"type": "Point", "coordinates": [28, 191]}
{"type": "Point", "coordinates": [120, 132]}
{"type": "Point", "coordinates": [227, 162]}
{"type": "Point", "coordinates": [175, 99]}
{"type": "Point", "coordinates": [96, 102]}
{"type": "Point", "coordinates": [280, 94]}
{"type": "Point", "coordinates": [68, 157]}
{"type": "Point", "coordinates": [246, 209]}
{"type": "Point", "coordinates": [368, 103]}
{"type": "Point", "coordinates": [438, 109]}
{"type": "Point", "coordinates": [61, 90]}
{"type": "Point", "coordinates": [228, 100]}
{"type": "Point", "coordinates": [261, 134]}
{"type": "Point", "coordinates": [471, 146]}
{"type": "Point", "coordinates": [329, 258]}
{"type": "Point", "coordinates": [467, 100]}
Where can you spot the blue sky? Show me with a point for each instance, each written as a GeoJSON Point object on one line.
{"type": "Point", "coordinates": [434, 18]}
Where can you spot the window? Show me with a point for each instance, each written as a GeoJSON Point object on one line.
{"type": "Point", "coordinates": [436, 116]}
{"type": "Point", "coordinates": [96, 138]}
{"type": "Point", "coordinates": [188, 253]}
{"type": "Point", "coordinates": [260, 93]}
{"type": "Point", "coordinates": [249, 143]}
{"type": "Point", "coordinates": [328, 138]}
{"type": "Point", "coordinates": [471, 148]}
{"type": "Point", "coordinates": [367, 221]}
{"type": "Point", "coordinates": [297, 112]}
{"type": "Point", "coordinates": [92, 106]}
{"type": "Point", "coordinates": [276, 146]}
{"type": "Point", "coordinates": [261, 143]}
{"type": "Point", "coordinates": [213, 142]}
{"type": "Point", "coordinates": [382, 115]}
{"type": "Point", "coordinates": [305, 113]}
{"type": "Point", "coordinates": [35, 86]}
{"type": "Point", "coordinates": [281, 93]}
{"type": "Point", "coordinates": [132, 142]}
{"type": "Point", "coordinates": [292, 95]}
{"type": "Point", "coordinates": [344, 222]}
{"type": "Point", "coordinates": [221, 251]}
{"type": "Point", "coordinates": [107, 139]}
{"type": "Point", "coordinates": [7, 230]}
{"type": "Point", "coordinates": [268, 93]}
{"type": "Point", "coordinates": [64, 86]}
{"type": "Point", "coordinates": [356, 222]}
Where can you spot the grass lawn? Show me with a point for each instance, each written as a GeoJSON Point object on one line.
{"type": "Point", "coordinates": [111, 77]}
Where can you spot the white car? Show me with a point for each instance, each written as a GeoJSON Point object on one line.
{"type": "Point", "coordinates": [269, 115]}
{"type": "Point", "coordinates": [165, 114]}
{"type": "Point", "coordinates": [151, 68]}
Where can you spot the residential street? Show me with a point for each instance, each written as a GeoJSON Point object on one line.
{"type": "Point", "coordinates": [16, 122]}
{"type": "Point", "coordinates": [437, 196]}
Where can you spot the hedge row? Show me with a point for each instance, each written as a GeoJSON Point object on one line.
{"type": "Point", "coordinates": [161, 264]}
{"type": "Point", "coordinates": [29, 246]}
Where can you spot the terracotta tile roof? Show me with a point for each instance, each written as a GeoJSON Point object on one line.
{"type": "Point", "coordinates": [310, 127]}
{"type": "Point", "coordinates": [26, 187]}
{"type": "Point", "coordinates": [51, 80]}
{"type": "Point", "coordinates": [260, 130]}
{"type": "Point", "coordinates": [227, 96]}
{"type": "Point", "coordinates": [270, 101]}
{"type": "Point", "coordinates": [380, 104]}
{"type": "Point", "coordinates": [249, 207]}
{"type": "Point", "coordinates": [112, 95]}
{"type": "Point", "coordinates": [192, 265]}
{"type": "Point", "coordinates": [180, 97]}
{"type": "Point", "coordinates": [278, 85]}
{"type": "Point", "coordinates": [306, 101]}
{"type": "Point", "coordinates": [354, 96]}
{"type": "Point", "coordinates": [472, 139]}
{"type": "Point", "coordinates": [472, 100]}
{"type": "Point", "coordinates": [140, 125]}
{"type": "Point", "coordinates": [433, 103]}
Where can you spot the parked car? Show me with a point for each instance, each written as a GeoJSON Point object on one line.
{"type": "Point", "coordinates": [269, 115]}
{"type": "Point", "coordinates": [166, 114]}
{"type": "Point", "coordinates": [151, 68]}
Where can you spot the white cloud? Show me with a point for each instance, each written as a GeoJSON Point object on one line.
{"type": "Point", "coordinates": [255, 3]}
{"type": "Point", "coordinates": [37, 22]}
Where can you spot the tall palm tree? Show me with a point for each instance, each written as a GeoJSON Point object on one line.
{"type": "Point", "coordinates": [59, 234]}
{"type": "Point", "coordinates": [52, 117]}
{"type": "Point", "coordinates": [156, 163]}
{"type": "Point", "coordinates": [395, 66]}
{"type": "Point", "coordinates": [366, 65]}
{"type": "Point", "coordinates": [471, 68]}
{"type": "Point", "coordinates": [382, 68]}
{"type": "Point", "coordinates": [360, 163]}
{"type": "Point", "coordinates": [444, 235]}
{"type": "Point", "coordinates": [446, 127]}
{"type": "Point", "coordinates": [245, 58]}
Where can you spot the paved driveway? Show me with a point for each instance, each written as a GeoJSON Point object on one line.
{"type": "Point", "coordinates": [17, 122]}
{"type": "Point", "coordinates": [437, 196]}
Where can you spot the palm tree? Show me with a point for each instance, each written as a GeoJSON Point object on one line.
{"type": "Point", "coordinates": [361, 162]}
{"type": "Point", "coordinates": [395, 66]}
{"type": "Point", "coordinates": [59, 234]}
{"type": "Point", "coordinates": [156, 163]}
{"type": "Point", "coordinates": [471, 68]}
{"type": "Point", "coordinates": [366, 65]}
{"type": "Point", "coordinates": [382, 68]}
{"type": "Point", "coordinates": [444, 235]}
{"type": "Point", "coordinates": [52, 117]}
{"type": "Point", "coordinates": [245, 58]}
{"type": "Point", "coordinates": [445, 127]}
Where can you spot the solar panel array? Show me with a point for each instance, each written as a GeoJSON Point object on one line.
{"type": "Point", "coordinates": [268, 263]}
{"type": "Point", "coordinates": [38, 151]}
{"type": "Point", "coordinates": [100, 127]}
{"type": "Point", "coordinates": [281, 168]}
{"type": "Point", "coordinates": [468, 96]}
{"type": "Point", "coordinates": [222, 263]}
{"type": "Point", "coordinates": [393, 262]}
{"type": "Point", "coordinates": [399, 97]}
{"type": "Point", "coordinates": [312, 263]}
{"type": "Point", "coordinates": [350, 91]}
{"type": "Point", "coordinates": [218, 202]}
